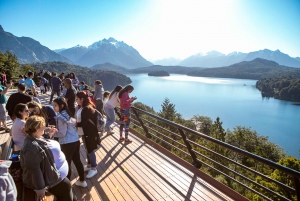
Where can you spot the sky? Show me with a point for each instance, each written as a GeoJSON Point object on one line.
{"type": "Point", "coordinates": [159, 28]}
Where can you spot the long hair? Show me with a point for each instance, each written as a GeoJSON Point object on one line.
{"type": "Point", "coordinates": [19, 108]}
{"type": "Point", "coordinates": [86, 100]}
{"type": "Point", "coordinates": [63, 105]}
{"type": "Point", "coordinates": [125, 89]}
{"type": "Point", "coordinates": [73, 75]}
{"type": "Point", "coordinates": [34, 104]}
{"type": "Point", "coordinates": [68, 83]}
{"type": "Point", "coordinates": [116, 90]}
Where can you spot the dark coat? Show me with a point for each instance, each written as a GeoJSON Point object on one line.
{"type": "Point", "coordinates": [90, 131]}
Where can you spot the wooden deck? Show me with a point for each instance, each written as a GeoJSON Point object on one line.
{"type": "Point", "coordinates": [137, 172]}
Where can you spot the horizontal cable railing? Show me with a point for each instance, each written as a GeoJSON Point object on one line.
{"type": "Point", "coordinates": [218, 158]}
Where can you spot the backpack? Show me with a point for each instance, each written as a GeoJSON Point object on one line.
{"type": "Point", "coordinates": [100, 122]}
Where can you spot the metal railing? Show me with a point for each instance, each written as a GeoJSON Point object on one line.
{"type": "Point", "coordinates": [217, 158]}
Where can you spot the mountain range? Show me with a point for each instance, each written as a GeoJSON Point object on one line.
{"type": "Point", "coordinates": [106, 50]}
{"type": "Point", "coordinates": [119, 53]}
{"type": "Point", "coordinates": [27, 49]}
{"type": "Point", "coordinates": [217, 59]}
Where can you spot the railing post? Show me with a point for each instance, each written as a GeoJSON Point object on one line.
{"type": "Point", "coordinates": [142, 124]}
{"type": "Point", "coordinates": [297, 187]}
{"type": "Point", "coordinates": [196, 163]}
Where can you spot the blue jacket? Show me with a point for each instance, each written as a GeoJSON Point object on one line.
{"type": "Point", "coordinates": [66, 127]}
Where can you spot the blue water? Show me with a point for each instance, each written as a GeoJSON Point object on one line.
{"type": "Point", "coordinates": [235, 101]}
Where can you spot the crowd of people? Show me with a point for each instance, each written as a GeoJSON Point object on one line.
{"type": "Point", "coordinates": [47, 137]}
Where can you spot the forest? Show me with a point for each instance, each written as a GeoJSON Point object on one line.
{"type": "Point", "coordinates": [283, 88]}
{"type": "Point", "coordinates": [235, 170]}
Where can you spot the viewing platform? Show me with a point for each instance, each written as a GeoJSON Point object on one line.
{"type": "Point", "coordinates": [145, 170]}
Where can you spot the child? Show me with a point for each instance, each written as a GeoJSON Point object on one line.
{"type": "Point", "coordinates": [81, 86]}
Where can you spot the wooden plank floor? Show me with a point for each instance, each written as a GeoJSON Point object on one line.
{"type": "Point", "coordinates": [137, 172]}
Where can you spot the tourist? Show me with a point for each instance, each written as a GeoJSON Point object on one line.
{"type": "Point", "coordinates": [74, 80]}
{"type": "Point", "coordinates": [36, 99]}
{"type": "Point", "coordinates": [105, 97]}
{"type": "Point", "coordinates": [56, 86]}
{"type": "Point", "coordinates": [3, 101]}
{"type": "Point", "coordinates": [88, 123]}
{"type": "Point", "coordinates": [4, 78]}
{"type": "Point", "coordinates": [81, 85]}
{"type": "Point", "coordinates": [70, 95]}
{"type": "Point", "coordinates": [14, 99]}
{"type": "Point", "coordinates": [43, 84]}
{"type": "Point", "coordinates": [68, 138]}
{"type": "Point", "coordinates": [30, 84]}
{"type": "Point", "coordinates": [109, 108]}
{"type": "Point", "coordinates": [7, 185]}
{"type": "Point", "coordinates": [125, 104]}
{"type": "Point", "coordinates": [21, 79]}
{"type": "Point", "coordinates": [20, 115]}
{"type": "Point", "coordinates": [98, 95]}
{"type": "Point", "coordinates": [39, 170]}
{"type": "Point", "coordinates": [47, 112]}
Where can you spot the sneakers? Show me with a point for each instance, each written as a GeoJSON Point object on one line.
{"type": "Point", "coordinates": [82, 184]}
{"type": "Point", "coordinates": [86, 168]}
{"type": "Point", "coordinates": [91, 173]}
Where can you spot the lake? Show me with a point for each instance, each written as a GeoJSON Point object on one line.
{"type": "Point", "coordinates": [235, 101]}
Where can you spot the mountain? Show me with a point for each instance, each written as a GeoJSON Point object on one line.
{"type": "Point", "coordinates": [106, 50]}
{"type": "Point", "coordinates": [167, 61]}
{"type": "Point", "coordinates": [217, 59]}
{"type": "Point", "coordinates": [297, 58]}
{"type": "Point", "coordinates": [73, 53]}
{"type": "Point", "coordinates": [255, 69]}
{"type": "Point", "coordinates": [27, 49]}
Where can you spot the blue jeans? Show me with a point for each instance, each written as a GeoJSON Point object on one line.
{"type": "Point", "coordinates": [110, 114]}
{"type": "Point", "coordinates": [91, 157]}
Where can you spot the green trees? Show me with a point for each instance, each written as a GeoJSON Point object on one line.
{"type": "Point", "coordinates": [167, 110]}
{"type": "Point", "coordinates": [284, 88]}
{"type": "Point", "coordinates": [9, 64]}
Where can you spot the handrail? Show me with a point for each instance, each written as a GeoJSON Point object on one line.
{"type": "Point", "coordinates": [295, 174]}
{"type": "Point", "coordinates": [241, 151]}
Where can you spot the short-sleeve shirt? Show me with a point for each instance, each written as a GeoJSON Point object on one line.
{"type": "Point", "coordinates": [29, 83]}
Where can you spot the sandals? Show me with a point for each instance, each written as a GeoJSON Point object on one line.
{"type": "Point", "coordinates": [121, 139]}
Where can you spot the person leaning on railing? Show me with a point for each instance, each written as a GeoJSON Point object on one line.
{"type": "Point", "coordinates": [125, 104]}
{"type": "Point", "coordinates": [39, 169]}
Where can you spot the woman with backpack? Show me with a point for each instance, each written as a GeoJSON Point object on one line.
{"type": "Point", "coordinates": [68, 138]}
{"type": "Point", "coordinates": [125, 104]}
{"type": "Point", "coordinates": [88, 123]}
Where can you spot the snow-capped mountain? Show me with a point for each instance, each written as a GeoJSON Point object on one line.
{"type": "Point", "coordinates": [217, 59]}
{"type": "Point", "coordinates": [106, 50]}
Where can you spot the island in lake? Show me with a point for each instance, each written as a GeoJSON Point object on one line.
{"type": "Point", "coordinates": [159, 73]}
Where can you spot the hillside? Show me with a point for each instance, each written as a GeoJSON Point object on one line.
{"type": "Point", "coordinates": [255, 69]}
{"type": "Point", "coordinates": [109, 78]}
{"type": "Point", "coordinates": [160, 73]}
{"type": "Point", "coordinates": [27, 49]}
